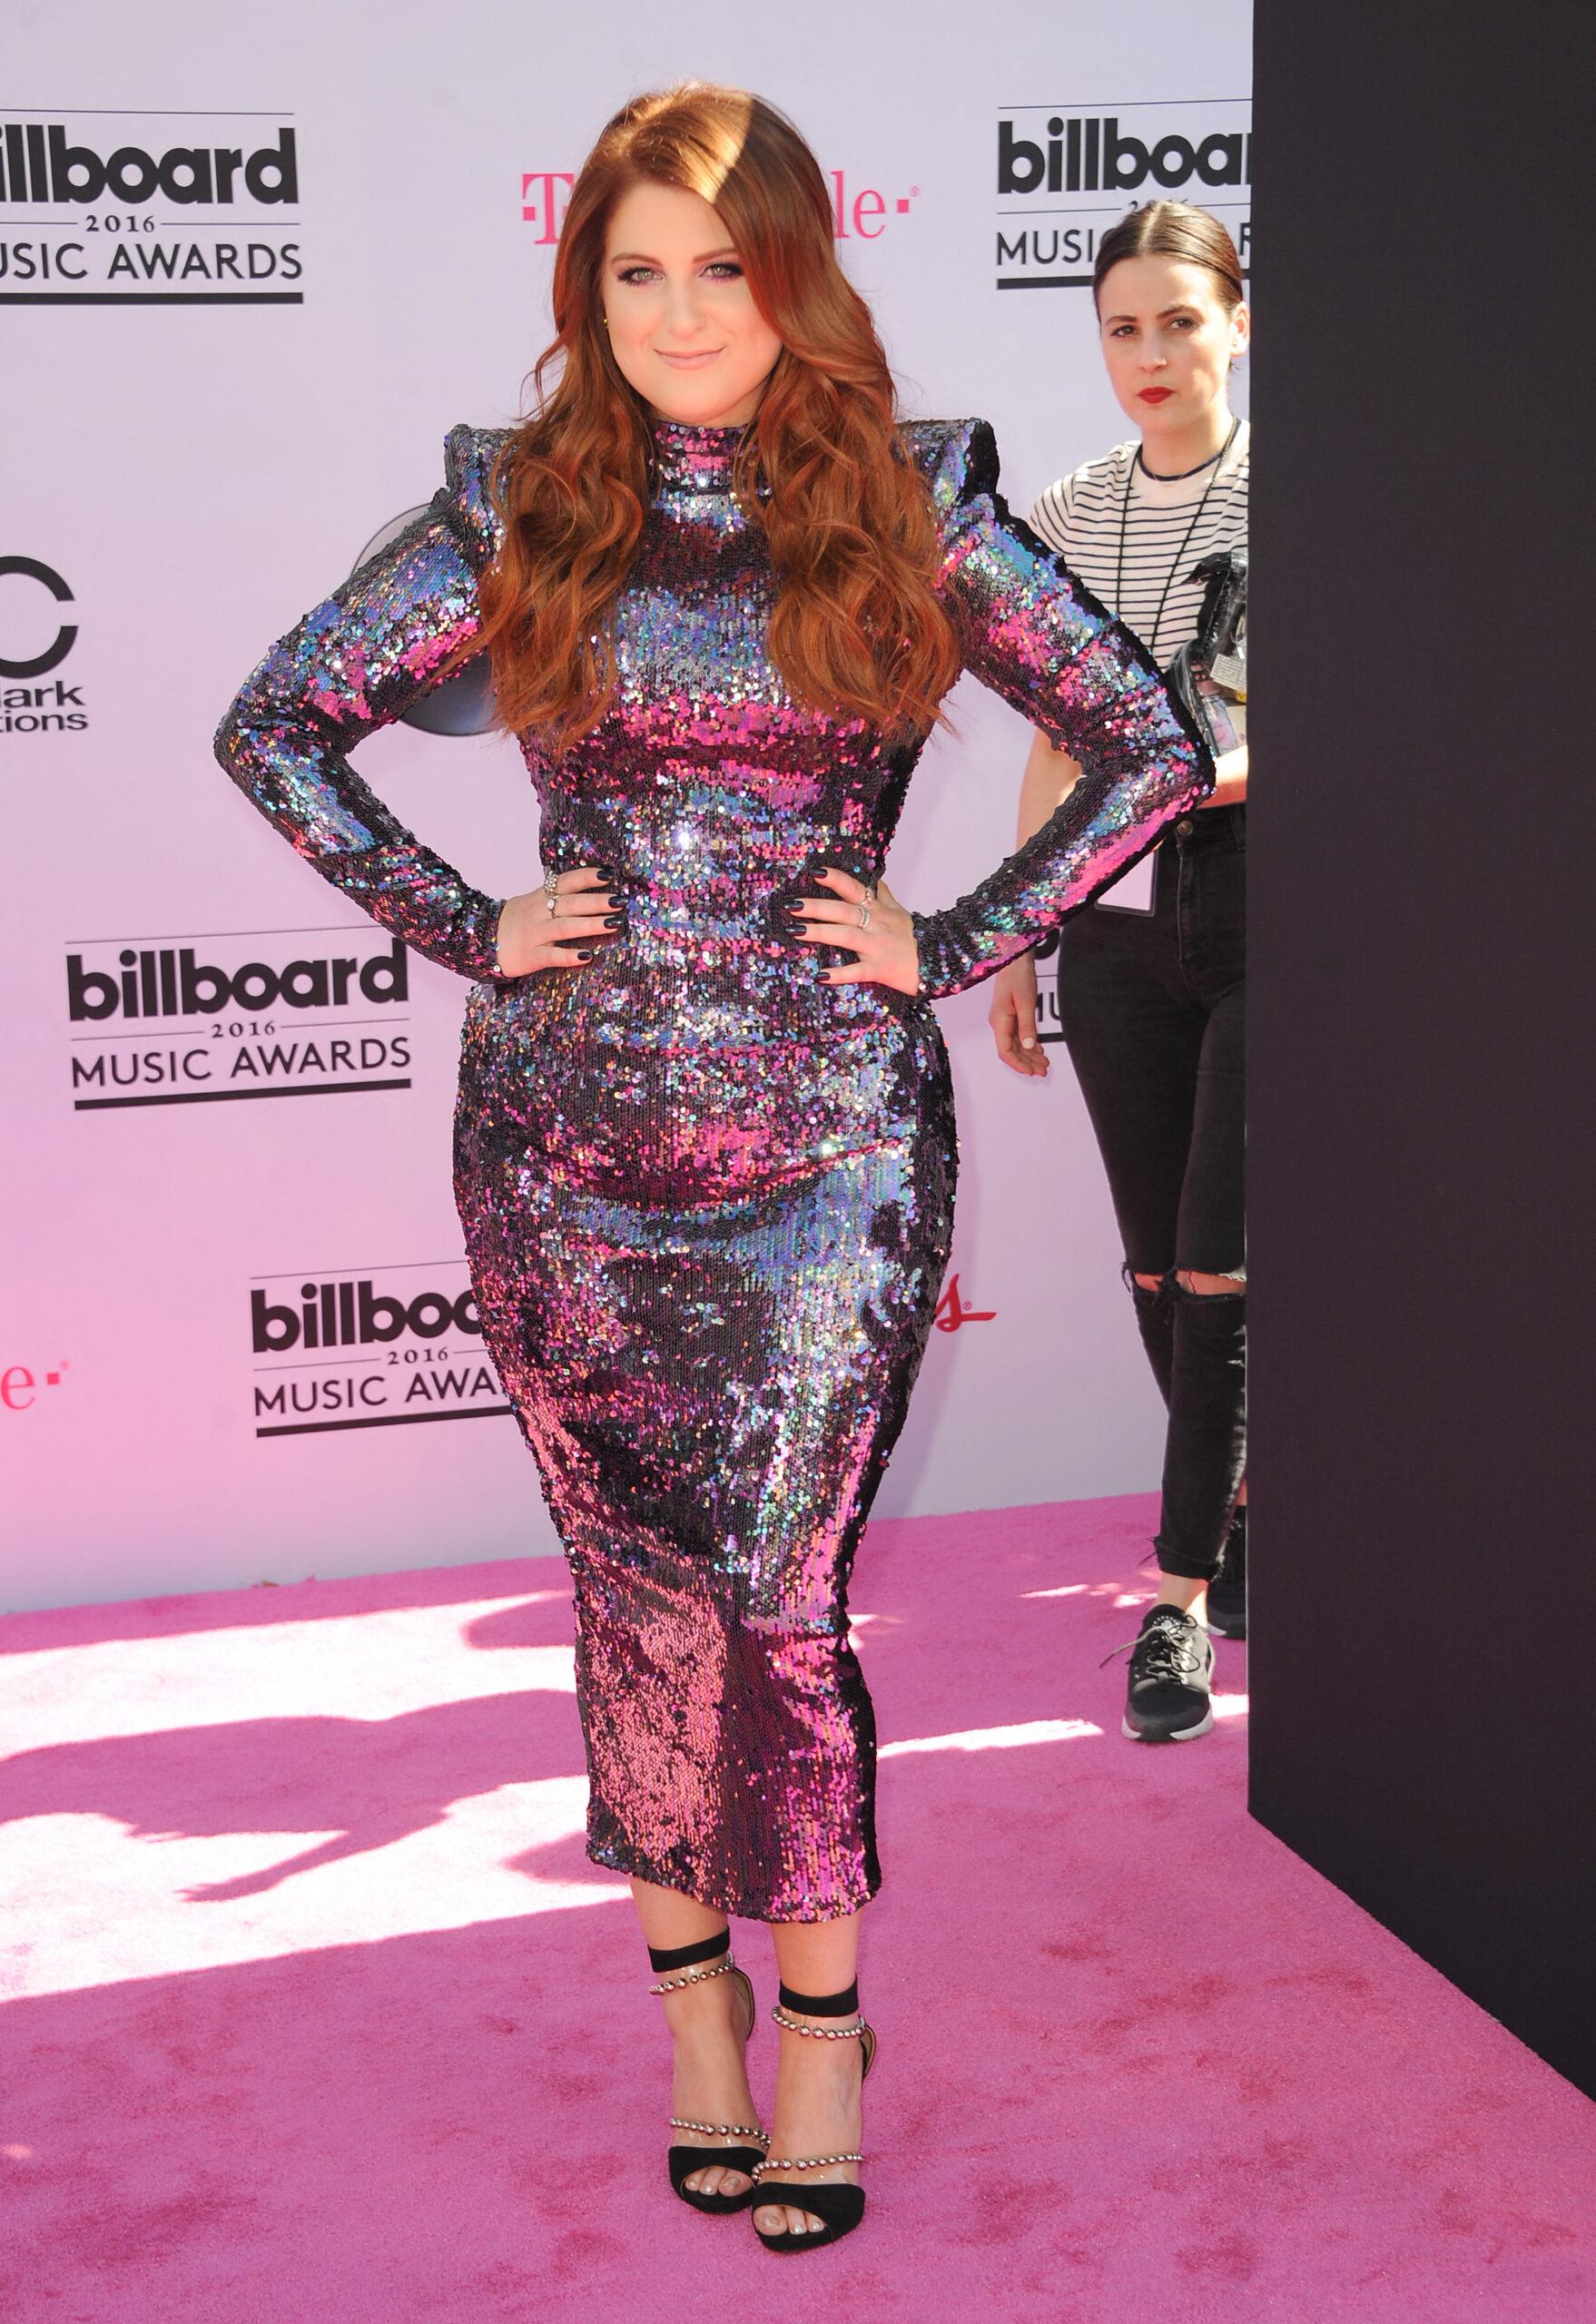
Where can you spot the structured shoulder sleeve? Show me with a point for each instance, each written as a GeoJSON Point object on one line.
{"type": "Point", "coordinates": [465, 500]}
{"type": "Point", "coordinates": [357, 661]}
{"type": "Point", "coordinates": [1032, 632]}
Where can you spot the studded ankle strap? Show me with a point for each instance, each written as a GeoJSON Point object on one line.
{"type": "Point", "coordinates": [775, 2163]}
{"type": "Point", "coordinates": [784, 2017]}
{"type": "Point", "coordinates": [695, 1977]}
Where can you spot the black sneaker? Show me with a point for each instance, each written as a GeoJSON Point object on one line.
{"type": "Point", "coordinates": [1171, 1679]}
{"type": "Point", "coordinates": [1227, 1590]}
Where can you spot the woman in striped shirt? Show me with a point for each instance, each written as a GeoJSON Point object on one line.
{"type": "Point", "coordinates": [1150, 983]}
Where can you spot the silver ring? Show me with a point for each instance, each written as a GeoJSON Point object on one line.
{"type": "Point", "coordinates": [551, 888]}
{"type": "Point", "coordinates": [864, 915]}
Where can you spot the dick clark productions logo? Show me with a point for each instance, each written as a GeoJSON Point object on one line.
{"type": "Point", "coordinates": [35, 638]}
{"type": "Point", "coordinates": [367, 1348]}
{"type": "Point", "coordinates": [184, 1021]}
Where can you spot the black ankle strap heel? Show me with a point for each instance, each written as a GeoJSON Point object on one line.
{"type": "Point", "coordinates": [663, 1959]}
{"type": "Point", "coordinates": [838, 2204]}
{"type": "Point", "coordinates": [696, 1964]}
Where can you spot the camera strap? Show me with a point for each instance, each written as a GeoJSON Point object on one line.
{"type": "Point", "coordinates": [1179, 558]}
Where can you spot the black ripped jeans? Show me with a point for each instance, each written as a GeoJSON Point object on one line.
{"type": "Point", "coordinates": [1151, 1009]}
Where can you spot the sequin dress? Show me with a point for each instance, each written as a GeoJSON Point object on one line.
{"type": "Point", "coordinates": [706, 1197]}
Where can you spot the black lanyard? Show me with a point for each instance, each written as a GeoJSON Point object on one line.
{"type": "Point", "coordinates": [1186, 543]}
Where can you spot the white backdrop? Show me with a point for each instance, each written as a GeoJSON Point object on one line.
{"type": "Point", "coordinates": [213, 404]}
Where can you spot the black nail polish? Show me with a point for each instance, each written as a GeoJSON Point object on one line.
{"type": "Point", "coordinates": [614, 920]}
{"type": "Point", "coordinates": [586, 954]}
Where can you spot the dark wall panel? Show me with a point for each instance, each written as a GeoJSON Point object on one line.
{"type": "Point", "coordinates": [1423, 1307]}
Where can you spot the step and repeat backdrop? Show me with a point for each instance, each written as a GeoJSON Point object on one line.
{"type": "Point", "coordinates": [253, 264]}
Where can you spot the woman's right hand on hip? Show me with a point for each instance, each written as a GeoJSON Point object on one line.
{"type": "Point", "coordinates": [1012, 1018]}
{"type": "Point", "coordinates": [560, 924]}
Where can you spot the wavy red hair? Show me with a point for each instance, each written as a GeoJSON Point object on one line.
{"type": "Point", "coordinates": [856, 627]}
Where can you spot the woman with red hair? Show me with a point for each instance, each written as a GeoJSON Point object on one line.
{"type": "Point", "coordinates": [705, 1150]}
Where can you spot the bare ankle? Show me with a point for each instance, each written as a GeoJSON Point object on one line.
{"type": "Point", "coordinates": [691, 2018]}
{"type": "Point", "coordinates": [1187, 1596]}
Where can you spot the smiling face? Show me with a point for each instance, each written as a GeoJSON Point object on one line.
{"type": "Point", "coordinates": [683, 326]}
{"type": "Point", "coordinates": [1168, 340]}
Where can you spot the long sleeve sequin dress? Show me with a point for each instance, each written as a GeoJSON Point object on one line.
{"type": "Point", "coordinates": [707, 1199]}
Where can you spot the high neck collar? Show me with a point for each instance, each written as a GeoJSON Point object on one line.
{"type": "Point", "coordinates": [693, 459]}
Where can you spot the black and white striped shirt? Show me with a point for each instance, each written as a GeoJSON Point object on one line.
{"type": "Point", "coordinates": [1080, 517]}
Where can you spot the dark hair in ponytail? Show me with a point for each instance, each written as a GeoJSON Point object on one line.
{"type": "Point", "coordinates": [1172, 230]}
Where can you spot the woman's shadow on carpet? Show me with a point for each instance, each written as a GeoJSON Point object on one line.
{"type": "Point", "coordinates": [366, 1782]}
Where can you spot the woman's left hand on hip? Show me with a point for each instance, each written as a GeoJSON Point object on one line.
{"type": "Point", "coordinates": [869, 922]}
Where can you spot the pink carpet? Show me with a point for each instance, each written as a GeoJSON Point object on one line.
{"type": "Point", "coordinates": [317, 2014]}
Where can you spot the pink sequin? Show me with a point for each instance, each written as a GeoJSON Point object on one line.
{"type": "Point", "coordinates": [708, 1198]}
